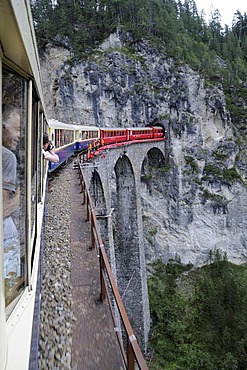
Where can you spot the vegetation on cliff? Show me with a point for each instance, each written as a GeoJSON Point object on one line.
{"type": "Point", "coordinates": [218, 53]}
{"type": "Point", "coordinates": [198, 315]}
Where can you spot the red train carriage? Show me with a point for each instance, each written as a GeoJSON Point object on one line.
{"type": "Point", "coordinates": [145, 133]}
{"type": "Point", "coordinates": [117, 135]}
{"type": "Point", "coordinates": [112, 135]}
{"type": "Point", "coordinates": [159, 132]}
{"type": "Point", "coordinates": [140, 133]}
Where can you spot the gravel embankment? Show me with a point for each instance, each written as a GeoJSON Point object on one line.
{"type": "Point", "coordinates": [56, 302]}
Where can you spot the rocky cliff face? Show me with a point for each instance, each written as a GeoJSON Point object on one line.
{"type": "Point", "coordinates": [198, 200]}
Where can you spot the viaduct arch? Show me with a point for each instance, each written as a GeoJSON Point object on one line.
{"type": "Point", "coordinates": [114, 180]}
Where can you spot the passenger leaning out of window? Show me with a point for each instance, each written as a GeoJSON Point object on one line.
{"type": "Point", "coordinates": [49, 150]}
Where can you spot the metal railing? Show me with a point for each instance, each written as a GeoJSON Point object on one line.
{"type": "Point", "coordinates": [132, 355]}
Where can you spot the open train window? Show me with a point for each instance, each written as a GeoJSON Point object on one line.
{"type": "Point", "coordinates": [39, 171]}
{"type": "Point", "coordinates": [14, 93]}
{"type": "Point", "coordinates": [34, 168]}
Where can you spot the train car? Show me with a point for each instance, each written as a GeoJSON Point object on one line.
{"type": "Point", "coordinates": [85, 136]}
{"type": "Point", "coordinates": [70, 139]}
{"type": "Point", "coordinates": [63, 137]}
{"type": "Point", "coordinates": [24, 174]}
{"type": "Point", "coordinates": [113, 135]}
{"type": "Point", "coordinates": [159, 132]}
{"type": "Point", "coordinates": [140, 133]}
{"type": "Point", "coordinates": [146, 133]}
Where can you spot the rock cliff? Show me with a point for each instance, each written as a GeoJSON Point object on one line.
{"type": "Point", "coordinates": [197, 201]}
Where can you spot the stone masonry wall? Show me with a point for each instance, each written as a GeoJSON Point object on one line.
{"type": "Point", "coordinates": [125, 226]}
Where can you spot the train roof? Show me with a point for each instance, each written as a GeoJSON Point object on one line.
{"type": "Point", "coordinates": [113, 128]}
{"type": "Point", "coordinates": [125, 128]}
{"type": "Point", "coordinates": [57, 124]}
{"type": "Point", "coordinates": [18, 42]}
{"type": "Point", "coordinates": [67, 126]}
{"type": "Point", "coordinates": [86, 128]}
{"type": "Point", "coordinates": [139, 128]}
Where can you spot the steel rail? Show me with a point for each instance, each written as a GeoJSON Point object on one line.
{"type": "Point", "coordinates": [132, 355]}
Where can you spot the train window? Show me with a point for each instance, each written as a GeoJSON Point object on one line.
{"type": "Point", "coordinates": [61, 137]}
{"type": "Point", "coordinates": [40, 183]}
{"type": "Point", "coordinates": [57, 138]}
{"type": "Point", "coordinates": [34, 164]}
{"type": "Point", "coordinates": [13, 183]}
{"type": "Point", "coordinates": [71, 136]}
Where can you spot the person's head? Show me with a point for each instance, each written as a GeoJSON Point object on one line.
{"type": "Point", "coordinates": [11, 126]}
{"type": "Point", "coordinates": [45, 140]}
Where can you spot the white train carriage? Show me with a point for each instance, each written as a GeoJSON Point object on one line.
{"type": "Point", "coordinates": [23, 174]}
{"type": "Point", "coordinates": [85, 136]}
{"type": "Point", "coordinates": [63, 138]}
{"type": "Point", "coordinates": [70, 139]}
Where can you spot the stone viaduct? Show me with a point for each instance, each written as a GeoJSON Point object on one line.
{"type": "Point", "coordinates": [114, 179]}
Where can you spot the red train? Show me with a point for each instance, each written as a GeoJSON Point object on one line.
{"type": "Point", "coordinates": [73, 139]}
{"type": "Point", "coordinates": [117, 135]}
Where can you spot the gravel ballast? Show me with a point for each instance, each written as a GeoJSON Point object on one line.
{"type": "Point", "coordinates": [56, 317]}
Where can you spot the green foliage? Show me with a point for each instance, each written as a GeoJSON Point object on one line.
{"type": "Point", "coordinates": [186, 36]}
{"type": "Point", "coordinates": [146, 177]}
{"type": "Point", "coordinates": [165, 168]}
{"type": "Point", "coordinates": [215, 197]}
{"type": "Point", "coordinates": [210, 169]}
{"type": "Point", "coordinates": [152, 232]}
{"type": "Point", "coordinates": [144, 218]}
{"type": "Point", "coordinates": [230, 174]}
{"type": "Point", "coordinates": [192, 163]}
{"type": "Point", "coordinates": [172, 27]}
{"type": "Point", "coordinates": [222, 174]}
{"type": "Point", "coordinates": [219, 156]}
{"type": "Point", "coordinates": [199, 318]}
